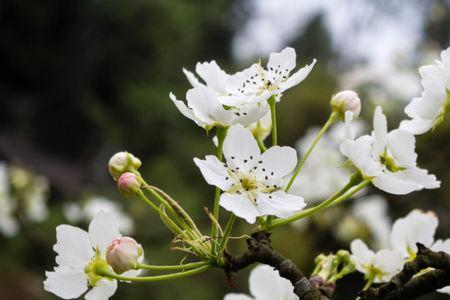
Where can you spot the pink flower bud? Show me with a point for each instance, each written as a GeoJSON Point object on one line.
{"type": "Point", "coordinates": [129, 183]}
{"type": "Point", "coordinates": [346, 101]}
{"type": "Point", "coordinates": [123, 162]}
{"type": "Point", "coordinates": [123, 254]}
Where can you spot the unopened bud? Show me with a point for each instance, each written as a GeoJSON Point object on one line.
{"type": "Point", "coordinates": [123, 254]}
{"type": "Point", "coordinates": [129, 183]}
{"type": "Point", "coordinates": [346, 101]}
{"type": "Point", "coordinates": [122, 162]}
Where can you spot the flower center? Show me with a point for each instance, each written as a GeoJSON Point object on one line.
{"type": "Point", "coordinates": [94, 268]}
{"type": "Point", "coordinates": [390, 163]}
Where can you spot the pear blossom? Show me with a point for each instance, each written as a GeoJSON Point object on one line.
{"type": "Point", "coordinates": [378, 266]}
{"type": "Point", "coordinates": [122, 162]}
{"type": "Point", "coordinates": [262, 129]}
{"type": "Point", "coordinates": [346, 101]}
{"type": "Point", "coordinates": [212, 75]}
{"type": "Point", "coordinates": [86, 210]}
{"type": "Point", "coordinates": [428, 110]}
{"type": "Point", "coordinates": [265, 283]}
{"type": "Point", "coordinates": [205, 109]}
{"type": "Point", "coordinates": [123, 254]}
{"type": "Point", "coordinates": [252, 181]}
{"type": "Point", "coordinates": [388, 159]}
{"type": "Point", "coordinates": [78, 253]}
{"type": "Point", "coordinates": [256, 84]}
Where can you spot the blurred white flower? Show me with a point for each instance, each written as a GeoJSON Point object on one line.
{"type": "Point", "coordinates": [261, 129]}
{"type": "Point", "coordinates": [75, 212]}
{"type": "Point", "coordinates": [377, 267]}
{"type": "Point", "coordinates": [252, 181]}
{"type": "Point", "coordinates": [388, 159]}
{"type": "Point", "coordinates": [428, 110]}
{"type": "Point", "coordinates": [79, 252]}
{"type": "Point", "coordinates": [265, 283]}
{"type": "Point", "coordinates": [373, 211]}
{"type": "Point", "coordinates": [8, 224]}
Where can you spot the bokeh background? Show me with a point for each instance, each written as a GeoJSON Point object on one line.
{"type": "Point", "coordinates": [81, 80]}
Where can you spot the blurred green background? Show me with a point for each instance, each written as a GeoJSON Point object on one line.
{"type": "Point", "coordinates": [81, 80]}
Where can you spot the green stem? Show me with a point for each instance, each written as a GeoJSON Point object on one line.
{"type": "Point", "coordinates": [226, 235]}
{"type": "Point", "coordinates": [221, 134]}
{"type": "Point", "coordinates": [369, 282]}
{"type": "Point", "coordinates": [273, 116]}
{"type": "Point", "coordinates": [330, 202]}
{"type": "Point", "coordinates": [173, 267]}
{"type": "Point", "coordinates": [333, 118]}
{"type": "Point", "coordinates": [261, 145]}
{"type": "Point", "coordinates": [155, 278]}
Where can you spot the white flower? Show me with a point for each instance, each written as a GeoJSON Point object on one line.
{"type": "Point", "coordinates": [77, 252]}
{"type": "Point", "coordinates": [417, 227]}
{"type": "Point", "coordinates": [388, 159]}
{"type": "Point", "coordinates": [204, 108]}
{"type": "Point", "coordinates": [428, 110]}
{"type": "Point", "coordinates": [266, 284]}
{"type": "Point", "coordinates": [380, 266]}
{"type": "Point", "coordinates": [256, 84]}
{"type": "Point", "coordinates": [213, 76]}
{"type": "Point", "coordinates": [373, 211]}
{"type": "Point", "coordinates": [8, 224]}
{"type": "Point", "coordinates": [75, 212]}
{"type": "Point", "coordinates": [346, 101]}
{"type": "Point", "coordinates": [251, 180]}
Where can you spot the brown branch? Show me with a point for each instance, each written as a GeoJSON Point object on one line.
{"type": "Point", "coordinates": [409, 283]}
{"type": "Point", "coordinates": [259, 250]}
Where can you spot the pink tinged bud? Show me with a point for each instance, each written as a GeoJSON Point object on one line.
{"type": "Point", "coordinates": [122, 162]}
{"type": "Point", "coordinates": [123, 254]}
{"type": "Point", "coordinates": [129, 183]}
{"type": "Point", "coordinates": [346, 101]}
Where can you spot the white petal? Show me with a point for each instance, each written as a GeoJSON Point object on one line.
{"type": "Point", "coordinates": [441, 245]}
{"type": "Point", "coordinates": [359, 152]}
{"type": "Point", "coordinates": [102, 291]}
{"type": "Point", "coordinates": [240, 205]}
{"type": "Point", "coordinates": [279, 204]}
{"type": "Point", "coordinates": [248, 114]}
{"type": "Point", "coordinates": [186, 111]}
{"type": "Point", "coordinates": [72, 242]}
{"type": "Point", "coordinates": [390, 262]}
{"type": "Point", "coordinates": [417, 126]}
{"type": "Point", "coordinates": [267, 284]}
{"type": "Point", "coordinates": [421, 177]}
{"type": "Point", "coordinates": [240, 148]}
{"type": "Point", "coordinates": [395, 183]}
{"type": "Point", "coordinates": [213, 75]}
{"type": "Point", "coordinates": [214, 172]}
{"type": "Point", "coordinates": [445, 290]}
{"type": "Point", "coordinates": [191, 78]}
{"type": "Point", "coordinates": [361, 255]}
{"type": "Point", "coordinates": [284, 60]}
{"type": "Point", "coordinates": [66, 285]}
{"type": "Point", "coordinates": [416, 227]}
{"type": "Point", "coordinates": [276, 162]}
{"type": "Point", "coordinates": [103, 229]}
{"type": "Point", "coordinates": [402, 145]}
{"type": "Point", "coordinates": [206, 107]}
{"type": "Point", "coordinates": [379, 130]}
{"type": "Point", "coordinates": [297, 77]}
{"type": "Point", "coordinates": [233, 296]}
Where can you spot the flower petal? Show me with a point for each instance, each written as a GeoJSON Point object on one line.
{"type": "Point", "coordinates": [441, 245]}
{"type": "Point", "coordinates": [402, 146]}
{"type": "Point", "coordinates": [73, 243]}
{"type": "Point", "coordinates": [297, 77]}
{"type": "Point", "coordinates": [395, 183]}
{"type": "Point", "coordinates": [362, 256]}
{"type": "Point", "coordinates": [103, 229]}
{"type": "Point", "coordinates": [66, 285]}
{"type": "Point", "coordinates": [206, 107]}
{"type": "Point", "coordinates": [276, 162]}
{"type": "Point", "coordinates": [186, 111]}
{"type": "Point", "coordinates": [213, 75]}
{"type": "Point", "coordinates": [240, 149]}
{"type": "Point", "coordinates": [390, 262]}
{"type": "Point", "coordinates": [102, 291]}
{"type": "Point", "coordinates": [214, 172]}
{"type": "Point", "coordinates": [191, 78]}
{"type": "Point", "coordinates": [421, 177]}
{"type": "Point", "coordinates": [279, 204]}
{"type": "Point", "coordinates": [233, 296]}
{"type": "Point", "coordinates": [267, 284]}
{"type": "Point", "coordinates": [240, 205]}
{"type": "Point", "coordinates": [284, 60]}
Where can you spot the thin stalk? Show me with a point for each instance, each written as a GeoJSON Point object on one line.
{"type": "Point", "coordinates": [155, 278]}
{"type": "Point", "coordinates": [333, 118]}
{"type": "Point", "coordinates": [272, 101]}
{"type": "Point", "coordinates": [221, 134]}
{"type": "Point", "coordinates": [261, 145]}
{"type": "Point", "coordinates": [324, 205]}
{"type": "Point", "coordinates": [172, 267]}
{"type": "Point", "coordinates": [226, 235]}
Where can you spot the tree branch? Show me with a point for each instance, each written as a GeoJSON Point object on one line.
{"type": "Point", "coordinates": [260, 251]}
{"type": "Point", "coordinates": [409, 283]}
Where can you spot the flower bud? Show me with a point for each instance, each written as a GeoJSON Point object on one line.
{"type": "Point", "coordinates": [262, 128]}
{"type": "Point", "coordinates": [346, 101]}
{"type": "Point", "coordinates": [129, 183]}
{"type": "Point", "coordinates": [123, 254]}
{"type": "Point", "coordinates": [123, 162]}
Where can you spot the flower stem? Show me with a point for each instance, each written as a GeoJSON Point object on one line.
{"type": "Point", "coordinates": [155, 278]}
{"type": "Point", "coordinates": [221, 134]}
{"type": "Point", "coordinates": [261, 145]}
{"type": "Point", "coordinates": [330, 202]}
{"type": "Point", "coordinates": [333, 118]}
{"type": "Point", "coordinates": [226, 235]}
{"type": "Point", "coordinates": [173, 267]}
{"type": "Point", "coordinates": [272, 101]}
